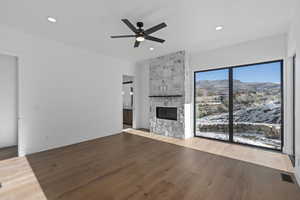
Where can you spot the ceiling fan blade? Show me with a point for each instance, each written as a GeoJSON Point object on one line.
{"type": "Point", "coordinates": [155, 28]}
{"type": "Point", "coordinates": [130, 25]}
{"type": "Point", "coordinates": [122, 36]}
{"type": "Point", "coordinates": [154, 39]}
{"type": "Point", "coordinates": [136, 44]}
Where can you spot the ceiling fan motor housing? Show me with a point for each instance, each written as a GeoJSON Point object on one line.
{"type": "Point", "coordinates": [140, 24]}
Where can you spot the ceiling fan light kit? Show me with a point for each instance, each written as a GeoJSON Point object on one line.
{"type": "Point", "coordinates": [140, 34]}
{"type": "Point", "coordinates": [140, 39]}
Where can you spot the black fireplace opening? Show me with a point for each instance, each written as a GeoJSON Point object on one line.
{"type": "Point", "coordinates": [169, 113]}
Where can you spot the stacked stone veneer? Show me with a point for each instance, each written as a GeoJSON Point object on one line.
{"type": "Point", "coordinates": [167, 77]}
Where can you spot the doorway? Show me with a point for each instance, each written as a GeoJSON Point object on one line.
{"type": "Point", "coordinates": [241, 104]}
{"type": "Point", "coordinates": [8, 107]}
{"type": "Point", "coordinates": [128, 102]}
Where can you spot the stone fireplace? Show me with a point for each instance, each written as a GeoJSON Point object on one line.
{"type": "Point", "coordinates": [167, 87]}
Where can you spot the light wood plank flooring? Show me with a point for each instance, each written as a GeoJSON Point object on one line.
{"type": "Point", "coordinates": [253, 155]}
{"type": "Point", "coordinates": [127, 166]}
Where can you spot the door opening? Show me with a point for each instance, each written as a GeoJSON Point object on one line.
{"type": "Point", "coordinates": [128, 102]}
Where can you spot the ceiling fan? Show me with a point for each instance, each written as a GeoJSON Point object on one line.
{"type": "Point", "coordinates": [140, 34]}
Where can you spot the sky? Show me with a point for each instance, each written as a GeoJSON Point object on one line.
{"type": "Point", "coordinates": [269, 72]}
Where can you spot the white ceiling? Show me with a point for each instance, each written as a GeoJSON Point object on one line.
{"type": "Point", "coordinates": [191, 23]}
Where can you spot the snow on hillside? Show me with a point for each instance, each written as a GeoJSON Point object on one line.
{"type": "Point", "coordinates": [270, 113]}
{"type": "Point", "coordinates": [256, 111]}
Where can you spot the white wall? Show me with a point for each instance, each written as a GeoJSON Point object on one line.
{"type": "Point", "coordinates": [141, 98]}
{"type": "Point", "coordinates": [294, 48]}
{"type": "Point", "coordinates": [8, 101]}
{"type": "Point", "coordinates": [265, 49]}
{"type": "Point", "coordinates": [66, 94]}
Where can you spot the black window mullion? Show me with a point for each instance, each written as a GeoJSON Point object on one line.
{"type": "Point", "coordinates": [294, 106]}
{"type": "Point", "coordinates": [230, 126]}
{"type": "Point", "coordinates": [282, 105]}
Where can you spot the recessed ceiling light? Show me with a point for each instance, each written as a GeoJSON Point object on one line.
{"type": "Point", "coordinates": [218, 28]}
{"type": "Point", "coordinates": [51, 19]}
{"type": "Point", "coordinates": [151, 48]}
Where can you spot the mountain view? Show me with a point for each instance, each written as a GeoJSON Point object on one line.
{"type": "Point", "coordinates": [221, 86]}
{"type": "Point", "coordinates": [256, 111]}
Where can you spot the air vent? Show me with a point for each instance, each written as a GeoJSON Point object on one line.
{"type": "Point", "coordinates": [287, 178]}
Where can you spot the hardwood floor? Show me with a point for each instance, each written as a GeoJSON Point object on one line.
{"type": "Point", "coordinates": [253, 155]}
{"type": "Point", "coordinates": [127, 166]}
{"type": "Point", "coordinates": [8, 152]}
{"type": "Point", "coordinates": [125, 126]}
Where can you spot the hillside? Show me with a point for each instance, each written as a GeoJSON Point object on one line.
{"type": "Point", "coordinates": [256, 110]}
{"type": "Point", "coordinates": [221, 86]}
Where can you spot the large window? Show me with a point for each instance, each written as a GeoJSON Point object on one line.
{"type": "Point", "coordinates": [212, 92]}
{"type": "Point", "coordinates": [241, 104]}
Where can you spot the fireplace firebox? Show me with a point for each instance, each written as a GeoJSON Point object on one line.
{"type": "Point", "coordinates": [169, 113]}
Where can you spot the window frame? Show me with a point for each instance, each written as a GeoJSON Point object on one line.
{"type": "Point", "coordinates": [230, 79]}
